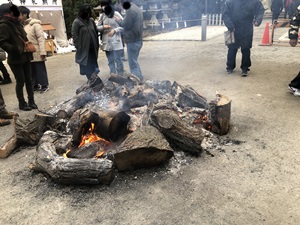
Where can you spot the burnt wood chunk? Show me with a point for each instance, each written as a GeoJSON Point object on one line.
{"type": "Point", "coordinates": [146, 147]}
{"type": "Point", "coordinates": [86, 151]}
{"type": "Point", "coordinates": [180, 134]}
{"type": "Point", "coordinates": [10, 145]}
{"type": "Point", "coordinates": [68, 170]}
{"type": "Point", "coordinates": [219, 114]}
{"type": "Point", "coordinates": [94, 83]}
{"type": "Point", "coordinates": [190, 98]}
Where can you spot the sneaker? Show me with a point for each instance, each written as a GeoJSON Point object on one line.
{"type": "Point", "coordinates": [4, 122]}
{"type": "Point", "coordinates": [244, 73]}
{"type": "Point", "coordinates": [297, 93]}
{"type": "Point", "coordinates": [229, 71]}
{"type": "Point", "coordinates": [44, 89]}
{"type": "Point", "coordinates": [292, 89]}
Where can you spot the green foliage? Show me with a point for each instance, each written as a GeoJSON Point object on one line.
{"type": "Point", "coordinates": [71, 8]}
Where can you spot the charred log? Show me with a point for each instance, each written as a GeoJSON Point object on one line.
{"type": "Point", "coordinates": [70, 171]}
{"type": "Point", "coordinates": [141, 98]}
{"type": "Point", "coordinates": [87, 151]}
{"type": "Point", "coordinates": [219, 114]}
{"type": "Point", "coordinates": [146, 147]}
{"type": "Point", "coordinates": [190, 98]}
{"type": "Point", "coordinates": [181, 135]}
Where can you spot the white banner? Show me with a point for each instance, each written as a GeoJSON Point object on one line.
{"type": "Point", "coordinates": [34, 2]}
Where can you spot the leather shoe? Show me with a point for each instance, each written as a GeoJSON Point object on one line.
{"type": "Point", "coordinates": [24, 107]}
{"type": "Point", "coordinates": [4, 122]}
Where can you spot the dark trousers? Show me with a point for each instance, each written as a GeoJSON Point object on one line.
{"type": "Point", "coordinates": [296, 82]}
{"type": "Point", "coordinates": [4, 71]}
{"type": "Point", "coordinates": [2, 103]}
{"type": "Point", "coordinates": [231, 58]}
{"type": "Point", "coordinates": [39, 74]}
{"type": "Point", "coordinates": [22, 73]}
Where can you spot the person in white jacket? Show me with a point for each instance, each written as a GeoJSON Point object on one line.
{"type": "Point", "coordinates": [110, 30]}
{"type": "Point", "coordinates": [35, 35]}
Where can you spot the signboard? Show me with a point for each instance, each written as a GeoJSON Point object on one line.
{"type": "Point", "coordinates": [34, 2]}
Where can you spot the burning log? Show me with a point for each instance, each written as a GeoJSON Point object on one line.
{"type": "Point", "coordinates": [146, 147]}
{"type": "Point", "coordinates": [121, 80]}
{"type": "Point", "coordinates": [140, 98]}
{"type": "Point", "coordinates": [69, 171]}
{"type": "Point", "coordinates": [108, 124]}
{"type": "Point", "coordinates": [181, 135]}
{"type": "Point", "coordinates": [220, 110]}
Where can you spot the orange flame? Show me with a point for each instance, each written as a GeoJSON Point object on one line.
{"type": "Point", "coordinates": [89, 137]}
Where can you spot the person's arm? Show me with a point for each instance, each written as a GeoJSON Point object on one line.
{"type": "Point", "coordinates": [294, 28]}
{"type": "Point", "coordinates": [75, 33]}
{"type": "Point", "coordinates": [259, 13]}
{"type": "Point", "coordinates": [226, 12]}
{"type": "Point", "coordinates": [39, 33]}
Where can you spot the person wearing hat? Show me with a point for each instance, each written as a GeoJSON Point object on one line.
{"type": "Point", "coordinates": [12, 40]}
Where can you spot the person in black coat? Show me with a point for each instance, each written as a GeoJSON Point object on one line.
{"type": "Point", "coordinates": [239, 16]}
{"type": "Point", "coordinates": [12, 40]}
{"type": "Point", "coordinates": [85, 39]}
{"type": "Point", "coordinates": [276, 8]}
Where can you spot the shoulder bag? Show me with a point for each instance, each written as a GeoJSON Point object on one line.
{"type": "Point", "coordinates": [29, 47]}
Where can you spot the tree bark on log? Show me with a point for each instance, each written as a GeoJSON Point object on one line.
{"type": "Point", "coordinates": [181, 135]}
{"type": "Point", "coordinates": [8, 147]}
{"type": "Point", "coordinates": [190, 98]}
{"type": "Point", "coordinates": [146, 147]}
{"type": "Point", "coordinates": [70, 171]}
{"type": "Point", "coordinates": [219, 114]}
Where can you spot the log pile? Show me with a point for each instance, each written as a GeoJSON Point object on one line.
{"type": "Point", "coordinates": [135, 125]}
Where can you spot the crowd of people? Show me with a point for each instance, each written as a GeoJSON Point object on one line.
{"type": "Point", "coordinates": [116, 31]}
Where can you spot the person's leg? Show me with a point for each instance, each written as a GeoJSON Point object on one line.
{"type": "Point", "coordinates": [18, 71]}
{"type": "Point", "coordinates": [133, 51]}
{"type": "Point", "coordinates": [119, 62]}
{"type": "Point", "coordinates": [111, 61]}
{"type": "Point", "coordinates": [4, 114]}
{"type": "Point", "coordinates": [231, 58]}
{"type": "Point", "coordinates": [246, 61]}
{"type": "Point", "coordinates": [29, 85]}
{"type": "Point", "coordinates": [42, 79]}
{"type": "Point", "coordinates": [6, 76]}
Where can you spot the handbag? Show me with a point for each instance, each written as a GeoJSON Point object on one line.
{"type": "Point", "coordinates": [2, 55]}
{"type": "Point", "coordinates": [28, 46]}
{"type": "Point", "coordinates": [229, 37]}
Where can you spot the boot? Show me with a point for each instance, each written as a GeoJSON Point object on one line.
{"type": "Point", "coordinates": [4, 122]}
{"type": "Point", "coordinates": [32, 104]}
{"type": "Point", "coordinates": [24, 106]}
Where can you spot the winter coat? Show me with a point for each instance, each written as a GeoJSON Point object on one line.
{"type": "Point", "coordinates": [294, 24]}
{"type": "Point", "coordinates": [35, 35]}
{"type": "Point", "coordinates": [11, 42]}
{"type": "Point", "coordinates": [114, 42]}
{"type": "Point", "coordinates": [85, 36]}
{"type": "Point", "coordinates": [239, 16]}
{"type": "Point", "coordinates": [277, 6]}
{"type": "Point", "coordinates": [133, 24]}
